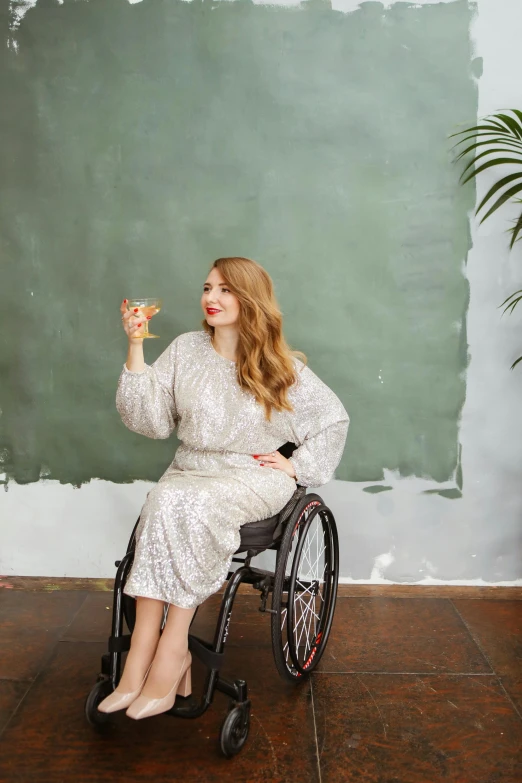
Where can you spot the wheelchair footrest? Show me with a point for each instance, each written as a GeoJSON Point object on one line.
{"type": "Point", "coordinates": [204, 651]}
{"type": "Point", "coordinates": [119, 644]}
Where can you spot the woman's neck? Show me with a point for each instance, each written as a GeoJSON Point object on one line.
{"type": "Point", "coordinates": [225, 341]}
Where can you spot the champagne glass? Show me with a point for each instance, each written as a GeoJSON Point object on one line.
{"type": "Point", "coordinates": [147, 307]}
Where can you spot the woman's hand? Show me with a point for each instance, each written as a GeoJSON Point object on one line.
{"type": "Point", "coordinates": [277, 461]}
{"type": "Point", "coordinates": [132, 321]}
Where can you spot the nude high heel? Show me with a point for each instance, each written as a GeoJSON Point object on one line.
{"type": "Point", "coordinates": [144, 707]}
{"type": "Point", "coordinates": [118, 701]}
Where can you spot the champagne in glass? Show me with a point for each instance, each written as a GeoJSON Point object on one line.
{"type": "Point", "coordinates": [147, 307]}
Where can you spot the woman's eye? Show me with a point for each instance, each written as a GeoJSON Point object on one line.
{"type": "Point", "coordinates": [225, 290]}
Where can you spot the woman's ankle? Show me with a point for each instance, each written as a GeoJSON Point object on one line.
{"type": "Point", "coordinates": [136, 665]}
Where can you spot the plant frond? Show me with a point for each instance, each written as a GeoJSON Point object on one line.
{"type": "Point", "coordinates": [511, 306]}
{"type": "Point", "coordinates": [516, 230]}
{"type": "Point", "coordinates": [510, 297]}
{"type": "Point", "coordinates": [514, 126]}
{"type": "Point", "coordinates": [502, 200]}
{"type": "Point", "coordinates": [492, 128]}
{"type": "Point", "coordinates": [495, 188]}
{"type": "Point", "coordinates": [490, 152]}
{"type": "Point", "coordinates": [504, 142]}
{"type": "Point", "coordinates": [495, 162]}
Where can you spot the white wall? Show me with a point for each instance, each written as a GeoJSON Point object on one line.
{"type": "Point", "coordinates": [49, 529]}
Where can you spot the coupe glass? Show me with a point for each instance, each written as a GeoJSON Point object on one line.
{"type": "Point", "coordinates": [147, 307]}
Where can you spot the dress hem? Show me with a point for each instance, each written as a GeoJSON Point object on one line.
{"type": "Point", "coordinates": [160, 598]}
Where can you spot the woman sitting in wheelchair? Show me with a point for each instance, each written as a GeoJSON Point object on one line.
{"type": "Point", "coordinates": [236, 393]}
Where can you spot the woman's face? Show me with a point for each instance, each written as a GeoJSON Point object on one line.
{"type": "Point", "coordinates": [220, 306]}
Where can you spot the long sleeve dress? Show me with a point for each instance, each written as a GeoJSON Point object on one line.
{"type": "Point", "coordinates": [189, 524]}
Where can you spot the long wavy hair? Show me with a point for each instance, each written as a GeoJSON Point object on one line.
{"type": "Point", "coordinates": [264, 358]}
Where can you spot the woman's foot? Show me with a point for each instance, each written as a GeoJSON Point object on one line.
{"type": "Point", "coordinates": [119, 700]}
{"type": "Point", "coordinates": [137, 667]}
{"type": "Point", "coordinates": [170, 681]}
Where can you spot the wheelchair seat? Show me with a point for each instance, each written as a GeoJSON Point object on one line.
{"type": "Point", "coordinates": [262, 534]}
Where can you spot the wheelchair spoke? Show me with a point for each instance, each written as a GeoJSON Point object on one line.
{"type": "Point", "coordinates": [305, 628]}
{"type": "Point", "coordinates": [308, 618]}
{"type": "Point", "coordinates": [286, 646]}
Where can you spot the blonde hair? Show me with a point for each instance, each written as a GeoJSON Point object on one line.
{"type": "Point", "coordinates": [264, 359]}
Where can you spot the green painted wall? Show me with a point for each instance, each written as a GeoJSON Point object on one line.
{"type": "Point", "coordinates": [140, 142]}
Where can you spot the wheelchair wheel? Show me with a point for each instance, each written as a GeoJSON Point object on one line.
{"type": "Point", "coordinates": [234, 731]}
{"type": "Point", "coordinates": [98, 693]}
{"type": "Point", "coordinates": [305, 588]}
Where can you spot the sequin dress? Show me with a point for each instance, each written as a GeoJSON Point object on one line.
{"type": "Point", "coordinates": [189, 525]}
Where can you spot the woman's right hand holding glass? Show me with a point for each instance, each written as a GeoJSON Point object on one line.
{"type": "Point", "coordinates": [132, 321]}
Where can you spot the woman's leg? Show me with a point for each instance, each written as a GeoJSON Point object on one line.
{"type": "Point", "coordinates": [144, 641]}
{"type": "Point", "coordinates": [170, 653]}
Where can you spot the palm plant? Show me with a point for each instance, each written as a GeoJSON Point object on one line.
{"type": "Point", "coordinates": [500, 136]}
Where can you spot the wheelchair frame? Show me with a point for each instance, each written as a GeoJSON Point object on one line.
{"type": "Point", "coordinates": [235, 727]}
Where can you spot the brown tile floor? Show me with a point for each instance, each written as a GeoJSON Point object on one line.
{"type": "Point", "coordinates": [410, 690]}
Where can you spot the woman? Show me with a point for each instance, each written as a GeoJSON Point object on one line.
{"type": "Point", "coordinates": [236, 393]}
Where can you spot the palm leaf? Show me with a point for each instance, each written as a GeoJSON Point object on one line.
{"type": "Point", "coordinates": [510, 297]}
{"type": "Point", "coordinates": [483, 130]}
{"type": "Point", "coordinates": [493, 128]}
{"type": "Point", "coordinates": [496, 187]}
{"type": "Point", "coordinates": [515, 363]}
{"type": "Point", "coordinates": [496, 162]}
{"type": "Point", "coordinates": [517, 228]}
{"type": "Point", "coordinates": [512, 306]}
{"type": "Point", "coordinates": [505, 143]}
{"type": "Point", "coordinates": [489, 164]}
{"type": "Point", "coordinates": [502, 200]}
{"type": "Point", "coordinates": [512, 124]}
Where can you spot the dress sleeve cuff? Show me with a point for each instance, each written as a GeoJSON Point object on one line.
{"type": "Point", "coordinates": [296, 479]}
{"type": "Point", "coordinates": [133, 372]}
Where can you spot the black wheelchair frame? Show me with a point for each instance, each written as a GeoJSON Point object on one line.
{"type": "Point", "coordinates": [304, 536]}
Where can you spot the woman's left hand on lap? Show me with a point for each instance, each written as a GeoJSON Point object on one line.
{"type": "Point", "coordinates": [277, 461]}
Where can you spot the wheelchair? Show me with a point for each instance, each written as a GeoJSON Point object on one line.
{"type": "Point", "coordinates": [303, 592]}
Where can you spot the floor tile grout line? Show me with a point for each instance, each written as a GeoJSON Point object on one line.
{"type": "Point", "coordinates": [22, 697]}
{"type": "Point", "coordinates": [475, 642]}
{"type": "Point", "coordinates": [16, 679]}
{"type": "Point", "coordinates": [499, 678]}
{"type": "Point", "coordinates": [66, 628]}
{"type": "Point", "coordinates": [486, 657]}
{"type": "Point", "coordinates": [315, 730]}
{"type": "Point", "coordinates": [43, 666]}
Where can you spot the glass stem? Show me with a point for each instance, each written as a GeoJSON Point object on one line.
{"type": "Point", "coordinates": [146, 329]}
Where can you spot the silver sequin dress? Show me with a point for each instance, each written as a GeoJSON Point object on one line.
{"type": "Point", "coordinates": [189, 525]}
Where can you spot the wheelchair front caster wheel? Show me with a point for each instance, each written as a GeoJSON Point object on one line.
{"type": "Point", "coordinates": [234, 730]}
{"type": "Point", "coordinates": [98, 693]}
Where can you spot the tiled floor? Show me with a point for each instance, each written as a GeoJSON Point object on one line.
{"type": "Point", "coordinates": [410, 690]}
